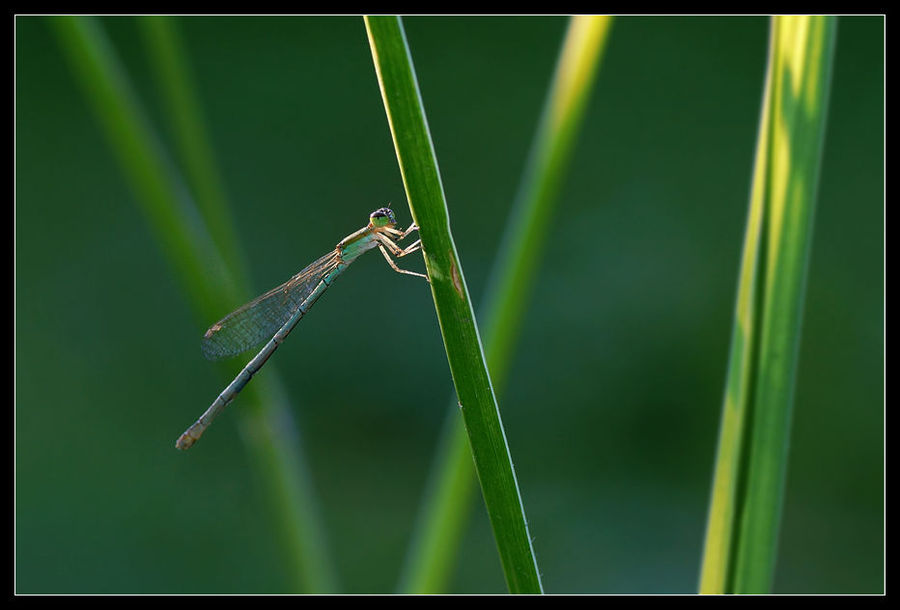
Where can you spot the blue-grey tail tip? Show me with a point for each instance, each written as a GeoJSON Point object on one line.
{"type": "Point", "coordinates": [185, 442]}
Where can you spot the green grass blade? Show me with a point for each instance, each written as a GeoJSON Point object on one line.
{"type": "Point", "coordinates": [183, 111]}
{"type": "Point", "coordinates": [186, 243]}
{"type": "Point", "coordinates": [163, 198]}
{"type": "Point", "coordinates": [436, 541]}
{"type": "Point", "coordinates": [421, 178]}
{"type": "Point", "coordinates": [748, 482]}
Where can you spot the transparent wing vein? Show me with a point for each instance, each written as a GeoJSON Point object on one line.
{"type": "Point", "coordinates": [261, 318]}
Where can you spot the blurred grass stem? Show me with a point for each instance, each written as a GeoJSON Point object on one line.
{"type": "Point", "coordinates": [447, 502]}
{"type": "Point", "coordinates": [751, 463]}
{"type": "Point", "coordinates": [206, 281]}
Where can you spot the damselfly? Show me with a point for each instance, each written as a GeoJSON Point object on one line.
{"type": "Point", "coordinates": [274, 314]}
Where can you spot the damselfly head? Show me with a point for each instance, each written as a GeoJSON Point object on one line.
{"type": "Point", "coordinates": [382, 217]}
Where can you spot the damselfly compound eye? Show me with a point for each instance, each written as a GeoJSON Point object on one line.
{"type": "Point", "coordinates": [382, 217]}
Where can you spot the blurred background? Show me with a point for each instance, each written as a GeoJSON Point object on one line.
{"type": "Point", "coordinates": [613, 401]}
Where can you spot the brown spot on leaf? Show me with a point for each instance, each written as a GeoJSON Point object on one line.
{"type": "Point", "coordinates": [454, 276]}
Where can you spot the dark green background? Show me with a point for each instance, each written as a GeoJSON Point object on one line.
{"type": "Point", "coordinates": [613, 403]}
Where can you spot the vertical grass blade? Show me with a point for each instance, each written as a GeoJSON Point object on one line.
{"type": "Point", "coordinates": [748, 481]}
{"type": "Point", "coordinates": [185, 241]}
{"type": "Point", "coordinates": [478, 406]}
{"type": "Point", "coordinates": [444, 513]}
{"type": "Point", "coordinates": [187, 125]}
